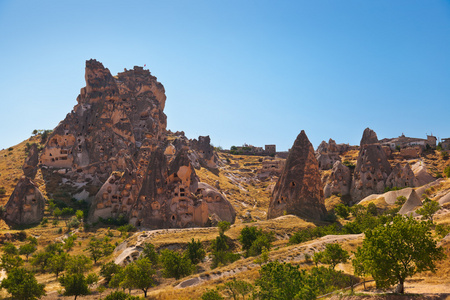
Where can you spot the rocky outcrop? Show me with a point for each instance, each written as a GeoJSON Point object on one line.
{"type": "Point", "coordinates": [339, 181]}
{"type": "Point", "coordinates": [26, 204]}
{"type": "Point", "coordinates": [30, 166]}
{"type": "Point", "coordinates": [299, 189]}
{"type": "Point", "coordinates": [411, 204]}
{"type": "Point", "coordinates": [169, 196]}
{"type": "Point", "coordinates": [421, 173]}
{"type": "Point", "coordinates": [372, 170]}
{"type": "Point", "coordinates": [114, 144]}
{"type": "Point", "coordinates": [205, 152]}
{"type": "Point", "coordinates": [369, 137]}
{"type": "Point", "coordinates": [402, 177]}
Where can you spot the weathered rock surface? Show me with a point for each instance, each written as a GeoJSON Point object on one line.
{"type": "Point", "coordinates": [372, 170]}
{"type": "Point", "coordinates": [402, 177]}
{"type": "Point", "coordinates": [369, 137]}
{"type": "Point", "coordinates": [26, 204]}
{"type": "Point", "coordinates": [30, 166]}
{"type": "Point", "coordinates": [412, 203]}
{"type": "Point", "coordinates": [327, 154]}
{"type": "Point", "coordinates": [202, 146]}
{"type": "Point", "coordinates": [115, 144]}
{"type": "Point", "coordinates": [339, 181]}
{"type": "Point", "coordinates": [421, 173]}
{"type": "Point", "coordinates": [299, 188]}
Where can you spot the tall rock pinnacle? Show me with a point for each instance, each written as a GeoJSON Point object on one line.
{"type": "Point", "coordinates": [299, 188]}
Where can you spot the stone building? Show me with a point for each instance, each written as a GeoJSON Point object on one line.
{"type": "Point", "coordinates": [406, 142]}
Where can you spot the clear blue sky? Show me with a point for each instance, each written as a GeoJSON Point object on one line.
{"type": "Point", "coordinates": [255, 72]}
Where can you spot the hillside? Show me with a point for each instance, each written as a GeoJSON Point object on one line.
{"type": "Point", "coordinates": [236, 178]}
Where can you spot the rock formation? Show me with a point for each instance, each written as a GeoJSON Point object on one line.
{"type": "Point", "coordinates": [411, 204]}
{"type": "Point", "coordinates": [114, 146]}
{"type": "Point", "coordinates": [31, 162]}
{"type": "Point", "coordinates": [207, 156]}
{"type": "Point", "coordinates": [372, 170]}
{"type": "Point", "coordinates": [299, 188]}
{"type": "Point", "coordinates": [402, 177]}
{"type": "Point", "coordinates": [339, 181]}
{"type": "Point", "coordinates": [369, 137]}
{"type": "Point", "coordinates": [26, 204]}
{"type": "Point", "coordinates": [327, 154]}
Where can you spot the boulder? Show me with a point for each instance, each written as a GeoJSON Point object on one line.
{"type": "Point", "coordinates": [299, 190]}
{"type": "Point", "coordinates": [26, 204]}
{"type": "Point", "coordinates": [339, 181]}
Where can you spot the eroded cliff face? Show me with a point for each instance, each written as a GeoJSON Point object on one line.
{"type": "Point", "coordinates": [114, 147]}
{"type": "Point", "coordinates": [299, 189]}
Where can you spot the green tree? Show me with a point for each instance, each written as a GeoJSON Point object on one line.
{"type": "Point", "coordinates": [74, 284]}
{"type": "Point", "coordinates": [397, 250]}
{"type": "Point", "coordinates": [236, 289]}
{"type": "Point", "coordinates": [79, 215]}
{"type": "Point", "coordinates": [22, 285]}
{"type": "Point", "coordinates": [69, 242]}
{"type": "Point", "coordinates": [9, 248]}
{"type": "Point", "coordinates": [212, 295]}
{"type": "Point", "coordinates": [78, 264]}
{"type": "Point", "coordinates": [10, 262]}
{"type": "Point", "coordinates": [223, 226]}
{"type": "Point", "coordinates": [139, 275]}
{"type": "Point", "coordinates": [27, 249]}
{"type": "Point", "coordinates": [175, 264]}
{"type": "Point", "coordinates": [428, 209]}
{"type": "Point", "coordinates": [99, 248]}
{"type": "Point", "coordinates": [40, 259]}
{"type": "Point", "coordinates": [195, 251]}
{"type": "Point", "coordinates": [57, 213]}
{"type": "Point", "coordinates": [108, 270]}
{"type": "Point", "coordinates": [332, 255]}
{"type": "Point", "coordinates": [57, 263]}
{"type": "Point", "coordinates": [342, 211]}
{"type": "Point", "coordinates": [285, 282]}
{"type": "Point", "coordinates": [150, 253]}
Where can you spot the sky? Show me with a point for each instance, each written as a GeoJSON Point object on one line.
{"type": "Point", "coordinates": [254, 72]}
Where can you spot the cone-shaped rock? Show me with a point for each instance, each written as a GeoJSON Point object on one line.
{"type": "Point", "coordinates": [339, 181]}
{"type": "Point", "coordinates": [299, 188]}
{"type": "Point", "coordinates": [369, 137]}
{"type": "Point", "coordinates": [372, 170]}
{"type": "Point", "coordinates": [26, 204]}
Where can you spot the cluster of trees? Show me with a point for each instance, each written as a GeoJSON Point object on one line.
{"type": "Point", "coordinates": [55, 258]}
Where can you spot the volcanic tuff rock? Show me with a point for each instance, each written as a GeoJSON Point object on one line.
{"type": "Point", "coordinates": [30, 165]}
{"type": "Point", "coordinates": [369, 137]}
{"type": "Point", "coordinates": [372, 170]}
{"type": "Point", "coordinates": [114, 147]}
{"type": "Point", "coordinates": [26, 204]}
{"type": "Point", "coordinates": [339, 181]}
{"type": "Point", "coordinates": [402, 177]}
{"type": "Point", "coordinates": [327, 154]}
{"type": "Point", "coordinates": [299, 189]}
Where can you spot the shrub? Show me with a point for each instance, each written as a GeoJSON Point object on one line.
{"type": "Point", "coordinates": [447, 171]}
{"type": "Point", "coordinates": [342, 210]}
{"type": "Point", "coordinates": [175, 264]}
{"type": "Point", "coordinates": [444, 154]}
{"type": "Point", "coordinates": [195, 251]}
